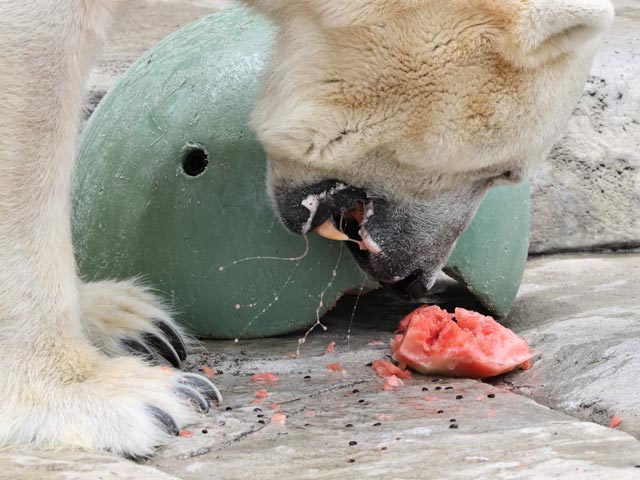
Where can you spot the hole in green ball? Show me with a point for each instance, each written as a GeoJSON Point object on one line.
{"type": "Point", "coordinates": [195, 161]}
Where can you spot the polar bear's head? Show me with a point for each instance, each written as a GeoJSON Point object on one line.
{"type": "Point", "coordinates": [393, 118]}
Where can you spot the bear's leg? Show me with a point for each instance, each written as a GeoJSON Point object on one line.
{"type": "Point", "coordinates": [56, 386]}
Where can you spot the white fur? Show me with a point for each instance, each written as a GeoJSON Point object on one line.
{"type": "Point", "coordinates": [63, 381]}
{"type": "Point", "coordinates": [114, 311]}
{"type": "Point", "coordinates": [567, 24]}
{"type": "Point", "coordinates": [57, 387]}
{"type": "Point", "coordinates": [420, 81]}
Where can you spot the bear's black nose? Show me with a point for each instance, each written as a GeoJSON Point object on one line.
{"type": "Point", "coordinates": [411, 287]}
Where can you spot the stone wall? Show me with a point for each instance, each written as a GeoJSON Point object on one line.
{"type": "Point", "coordinates": [587, 196]}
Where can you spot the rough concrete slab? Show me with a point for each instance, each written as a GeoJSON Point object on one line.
{"type": "Point", "coordinates": [582, 313]}
{"type": "Point", "coordinates": [398, 434]}
{"type": "Point", "coordinates": [17, 465]}
{"type": "Point", "coordinates": [579, 314]}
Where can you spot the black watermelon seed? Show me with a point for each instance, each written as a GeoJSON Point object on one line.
{"type": "Point", "coordinates": [377, 424]}
{"type": "Point", "coordinates": [452, 420]}
{"type": "Point", "coordinates": [257, 409]}
{"type": "Point", "coordinates": [459, 397]}
{"type": "Point", "coordinates": [356, 391]}
{"type": "Point", "coordinates": [228, 409]}
{"type": "Point", "coordinates": [351, 460]}
{"type": "Point", "coordinates": [349, 425]}
{"type": "Point", "coordinates": [353, 442]}
{"type": "Point", "coordinates": [261, 422]}
{"type": "Point", "coordinates": [204, 430]}
{"type": "Point", "coordinates": [448, 388]}
{"type": "Point", "coordinates": [369, 364]}
{"type": "Point", "coordinates": [491, 395]}
{"type": "Point", "coordinates": [361, 401]}
{"type": "Point", "coordinates": [438, 388]}
{"type": "Point", "coordinates": [453, 425]}
{"type": "Point", "coordinates": [260, 415]}
{"type": "Point", "coordinates": [425, 389]}
{"type": "Point", "coordinates": [440, 411]}
{"type": "Point", "coordinates": [307, 424]}
{"type": "Point", "coordinates": [307, 377]}
{"type": "Point", "coordinates": [383, 448]}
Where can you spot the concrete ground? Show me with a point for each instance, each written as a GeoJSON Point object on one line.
{"type": "Point", "coordinates": [580, 313]}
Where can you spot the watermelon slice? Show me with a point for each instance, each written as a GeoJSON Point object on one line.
{"type": "Point", "coordinates": [465, 344]}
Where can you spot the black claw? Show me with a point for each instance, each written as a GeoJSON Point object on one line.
{"type": "Point", "coordinates": [174, 337]}
{"type": "Point", "coordinates": [194, 397]}
{"type": "Point", "coordinates": [165, 419]}
{"type": "Point", "coordinates": [203, 385]}
{"type": "Point", "coordinates": [140, 349]}
{"type": "Point", "coordinates": [163, 347]}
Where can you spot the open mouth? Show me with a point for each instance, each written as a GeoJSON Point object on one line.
{"type": "Point", "coordinates": [349, 225]}
{"type": "Point", "coordinates": [341, 212]}
{"type": "Point", "coordinates": [340, 216]}
{"type": "Point", "coordinates": [351, 222]}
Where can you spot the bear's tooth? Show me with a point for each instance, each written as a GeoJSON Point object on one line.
{"type": "Point", "coordinates": [329, 230]}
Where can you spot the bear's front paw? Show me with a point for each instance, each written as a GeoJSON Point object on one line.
{"type": "Point", "coordinates": [124, 318]}
{"type": "Point", "coordinates": [81, 398]}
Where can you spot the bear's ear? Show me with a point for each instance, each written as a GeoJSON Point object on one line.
{"type": "Point", "coordinates": [546, 29]}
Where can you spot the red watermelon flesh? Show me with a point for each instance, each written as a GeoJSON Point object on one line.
{"type": "Point", "coordinates": [387, 369]}
{"type": "Point", "coordinates": [465, 344]}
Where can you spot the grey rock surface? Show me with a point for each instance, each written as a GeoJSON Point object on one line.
{"type": "Point", "coordinates": [586, 195]}
{"type": "Point", "coordinates": [19, 465]}
{"type": "Point", "coordinates": [581, 314]}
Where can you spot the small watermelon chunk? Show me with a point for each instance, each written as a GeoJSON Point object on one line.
{"type": "Point", "coordinates": [465, 344]}
{"type": "Point", "coordinates": [386, 369]}
{"type": "Point", "coordinates": [261, 394]}
{"type": "Point", "coordinates": [392, 383]}
{"type": "Point", "coordinates": [266, 378]}
{"type": "Point", "coordinates": [615, 421]}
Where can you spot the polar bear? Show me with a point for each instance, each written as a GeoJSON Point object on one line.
{"type": "Point", "coordinates": [383, 121]}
